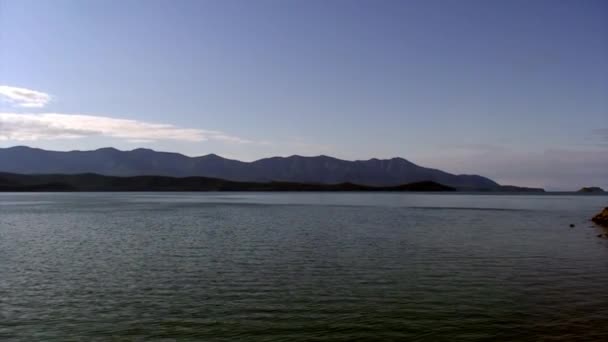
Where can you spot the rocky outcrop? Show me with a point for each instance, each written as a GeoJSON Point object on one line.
{"type": "Point", "coordinates": [601, 218]}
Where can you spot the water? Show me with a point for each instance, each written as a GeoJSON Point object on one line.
{"type": "Point", "coordinates": [301, 267]}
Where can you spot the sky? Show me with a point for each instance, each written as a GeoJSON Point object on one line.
{"type": "Point", "coordinates": [513, 90]}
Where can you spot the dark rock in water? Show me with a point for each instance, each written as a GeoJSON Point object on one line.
{"type": "Point", "coordinates": [571, 225]}
{"type": "Point", "coordinates": [593, 189]}
{"type": "Point", "coordinates": [601, 218]}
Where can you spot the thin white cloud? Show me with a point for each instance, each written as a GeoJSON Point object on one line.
{"type": "Point", "coordinates": [46, 126]}
{"type": "Point", "coordinates": [22, 97]}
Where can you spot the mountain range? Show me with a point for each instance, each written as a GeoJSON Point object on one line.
{"type": "Point", "coordinates": [297, 169]}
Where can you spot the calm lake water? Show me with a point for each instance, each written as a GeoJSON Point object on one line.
{"type": "Point", "coordinates": [302, 267]}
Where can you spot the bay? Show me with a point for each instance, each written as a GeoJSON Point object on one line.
{"type": "Point", "coordinates": [302, 267]}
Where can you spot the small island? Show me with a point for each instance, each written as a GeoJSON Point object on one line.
{"type": "Point", "coordinates": [592, 189]}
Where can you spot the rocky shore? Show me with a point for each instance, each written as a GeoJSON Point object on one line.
{"type": "Point", "coordinates": [601, 218]}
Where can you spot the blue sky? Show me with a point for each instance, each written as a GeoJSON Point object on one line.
{"type": "Point", "coordinates": [513, 90]}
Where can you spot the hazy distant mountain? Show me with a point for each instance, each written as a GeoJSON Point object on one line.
{"type": "Point", "coordinates": [320, 169]}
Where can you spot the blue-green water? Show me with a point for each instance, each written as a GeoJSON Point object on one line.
{"type": "Point", "coordinates": [301, 267]}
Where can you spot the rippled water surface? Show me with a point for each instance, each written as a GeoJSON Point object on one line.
{"type": "Point", "coordinates": [302, 267]}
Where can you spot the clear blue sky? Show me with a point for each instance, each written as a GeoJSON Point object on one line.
{"type": "Point", "coordinates": [513, 90]}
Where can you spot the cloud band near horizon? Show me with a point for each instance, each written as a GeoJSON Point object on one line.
{"type": "Point", "coordinates": [49, 126]}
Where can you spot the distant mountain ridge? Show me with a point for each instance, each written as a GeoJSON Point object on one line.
{"type": "Point", "coordinates": [298, 169]}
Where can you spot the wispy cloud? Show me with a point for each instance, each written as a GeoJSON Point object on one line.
{"type": "Point", "coordinates": [22, 97]}
{"type": "Point", "coordinates": [45, 126]}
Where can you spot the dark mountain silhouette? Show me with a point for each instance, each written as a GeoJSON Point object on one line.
{"type": "Point", "coordinates": [592, 189]}
{"type": "Point", "coordinates": [94, 182]}
{"type": "Point", "coordinates": [298, 169]}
